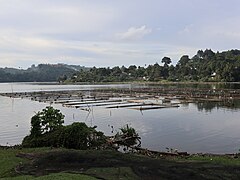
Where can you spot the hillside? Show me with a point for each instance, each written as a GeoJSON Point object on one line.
{"type": "Point", "coordinates": [39, 73]}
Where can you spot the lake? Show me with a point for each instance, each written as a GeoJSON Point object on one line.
{"type": "Point", "coordinates": [193, 127]}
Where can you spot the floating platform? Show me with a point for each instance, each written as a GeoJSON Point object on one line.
{"type": "Point", "coordinates": [138, 98]}
{"type": "Point", "coordinates": [155, 107]}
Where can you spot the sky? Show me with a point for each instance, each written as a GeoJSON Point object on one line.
{"type": "Point", "coordinates": [107, 33]}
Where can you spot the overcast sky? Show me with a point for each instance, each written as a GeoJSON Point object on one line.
{"type": "Point", "coordinates": [113, 32]}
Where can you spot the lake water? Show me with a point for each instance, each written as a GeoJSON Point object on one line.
{"type": "Point", "coordinates": [205, 127]}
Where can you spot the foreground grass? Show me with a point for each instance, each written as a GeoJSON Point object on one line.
{"type": "Point", "coordinates": [75, 164]}
{"type": "Point", "coordinates": [215, 159]}
{"type": "Point", "coordinates": [58, 176]}
{"type": "Point", "coordinates": [8, 159]}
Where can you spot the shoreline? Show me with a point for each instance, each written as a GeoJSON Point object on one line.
{"type": "Point", "coordinates": [142, 151]}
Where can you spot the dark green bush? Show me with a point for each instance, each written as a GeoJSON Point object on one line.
{"type": "Point", "coordinates": [49, 139]}
{"type": "Point", "coordinates": [74, 136]}
{"type": "Point", "coordinates": [80, 136]}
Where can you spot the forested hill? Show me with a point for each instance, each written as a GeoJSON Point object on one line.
{"type": "Point", "coordinates": [204, 66]}
{"type": "Point", "coordinates": [39, 73]}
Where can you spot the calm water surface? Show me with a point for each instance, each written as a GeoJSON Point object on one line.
{"type": "Point", "coordinates": [193, 127]}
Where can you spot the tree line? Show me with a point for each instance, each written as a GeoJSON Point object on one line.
{"type": "Point", "coordinates": [204, 66]}
{"type": "Point", "coordinates": [39, 73]}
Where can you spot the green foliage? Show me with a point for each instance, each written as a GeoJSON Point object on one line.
{"type": "Point", "coordinates": [204, 66]}
{"type": "Point", "coordinates": [49, 119]}
{"type": "Point", "coordinates": [80, 136]}
{"type": "Point", "coordinates": [47, 130]}
{"type": "Point", "coordinates": [127, 136]}
{"type": "Point", "coordinates": [46, 127]}
{"type": "Point", "coordinates": [36, 128]}
{"type": "Point", "coordinates": [48, 139]}
{"type": "Point", "coordinates": [40, 73]}
{"type": "Point", "coordinates": [128, 131]}
{"type": "Point", "coordinates": [166, 61]}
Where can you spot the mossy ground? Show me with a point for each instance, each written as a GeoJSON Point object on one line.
{"type": "Point", "coordinates": [46, 163]}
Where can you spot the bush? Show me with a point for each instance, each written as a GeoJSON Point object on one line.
{"type": "Point", "coordinates": [50, 139]}
{"type": "Point", "coordinates": [80, 136]}
{"type": "Point", "coordinates": [47, 130]}
{"type": "Point", "coordinates": [127, 136]}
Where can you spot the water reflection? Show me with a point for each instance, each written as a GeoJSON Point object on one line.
{"type": "Point", "coordinates": [208, 106]}
{"type": "Point", "coordinates": [197, 85]}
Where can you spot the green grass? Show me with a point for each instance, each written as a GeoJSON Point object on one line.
{"type": "Point", "coordinates": [113, 173]}
{"type": "Point", "coordinates": [92, 164]}
{"type": "Point", "coordinates": [8, 160]}
{"type": "Point", "coordinates": [214, 159]}
{"type": "Point", "coordinates": [57, 176]}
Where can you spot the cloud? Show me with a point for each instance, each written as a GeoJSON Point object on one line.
{"type": "Point", "coordinates": [22, 51]}
{"type": "Point", "coordinates": [47, 17]}
{"type": "Point", "coordinates": [134, 33]}
{"type": "Point", "coordinates": [109, 33]}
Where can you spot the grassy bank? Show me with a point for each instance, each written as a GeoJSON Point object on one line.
{"type": "Point", "coordinates": [46, 163]}
{"type": "Point", "coordinates": [9, 161]}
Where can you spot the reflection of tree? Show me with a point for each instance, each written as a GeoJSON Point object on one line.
{"type": "Point", "coordinates": [209, 106]}
{"type": "Point", "coordinates": [199, 85]}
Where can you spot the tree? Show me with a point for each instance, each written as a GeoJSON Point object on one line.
{"type": "Point", "coordinates": [183, 60]}
{"type": "Point", "coordinates": [165, 71]}
{"type": "Point", "coordinates": [208, 54]}
{"type": "Point", "coordinates": [156, 72]}
{"type": "Point", "coordinates": [200, 53]}
{"type": "Point", "coordinates": [116, 71]}
{"type": "Point", "coordinates": [204, 66]}
{"type": "Point", "coordinates": [166, 61]}
{"type": "Point", "coordinates": [48, 120]}
{"type": "Point", "coordinates": [51, 118]}
{"type": "Point", "coordinates": [36, 129]}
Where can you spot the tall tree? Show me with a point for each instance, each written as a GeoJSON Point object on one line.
{"type": "Point", "coordinates": [166, 61]}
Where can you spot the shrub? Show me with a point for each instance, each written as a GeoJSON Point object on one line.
{"type": "Point", "coordinates": [127, 136]}
{"type": "Point", "coordinates": [47, 130]}
{"type": "Point", "coordinates": [80, 136]}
